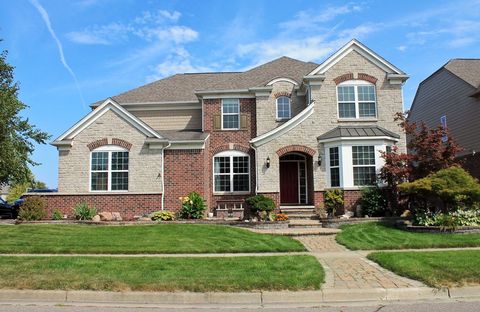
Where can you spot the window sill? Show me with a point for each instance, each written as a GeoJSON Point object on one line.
{"type": "Point", "coordinates": [357, 119]}
{"type": "Point", "coordinates": [229, 130]}
{"type": "Point", "coordinates": [231, 193]}
{"type": "Point", "coordinates": [282, 119]}
{"type": "Point", "coordinates": [108, 192]}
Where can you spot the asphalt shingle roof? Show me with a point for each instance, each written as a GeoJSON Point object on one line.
{"type": "Point", "coordinates": [466, 69]}
{"type": "Point", "coordinates": [182, 87]}
{"type": "Point", "coordinates": [357, 131]}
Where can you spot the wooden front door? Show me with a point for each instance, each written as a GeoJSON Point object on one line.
{"type": "Point", "coordinates": [289, 182]}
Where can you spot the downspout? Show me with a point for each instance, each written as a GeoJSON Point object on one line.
{"type": "Point", "coordinates": [163, 171]}
{"type": "Point", "coordinates": [256, 168]}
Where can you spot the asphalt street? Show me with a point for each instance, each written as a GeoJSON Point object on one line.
{"type": "Point", "coordinates": [458, 306]}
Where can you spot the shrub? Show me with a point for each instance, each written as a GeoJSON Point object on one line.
{"type": "Point", "coordinates": [374, 202]}
{"type": "Point", "coordinates": [333, 200]}
{"type": "Point", "coordinates": [261, 205]}
{"type": "Point", "coordinates": [455, 187]}
{"type": "Point", "coordinates": [193, 206]}
{"type": "Point", "coordinates": [458, 218]}
{"type": "Point", "coordinates": [162, 216]}
{"type": "Point", "coordinates": [281, 217]}
{"type": "Point", "coordinates": [32, 209]}
{"type": "Point", "coordinates": [84, 212]}
{"type": "Point", "coordinates": [57, 215]}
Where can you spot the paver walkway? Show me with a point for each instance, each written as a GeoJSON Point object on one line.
{"type": "Point", "coordinates": [345, 269]}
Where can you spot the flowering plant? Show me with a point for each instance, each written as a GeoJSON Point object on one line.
{"type": "Point", "coordinates": [193, 206]}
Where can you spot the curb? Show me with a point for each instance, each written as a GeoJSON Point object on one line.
{"type": "Point", "coordinates": [258, 298]}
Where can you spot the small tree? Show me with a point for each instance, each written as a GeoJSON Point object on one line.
{"type": "Point", "coordinates": [428, 153]}
{"type": "Point", "coordinates": [17, 135]}
{"type": "Point", "coordinates": [333, 201]}
{"type": "Point", "coordinates": [18, 189]}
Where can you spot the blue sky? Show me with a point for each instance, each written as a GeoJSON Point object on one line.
{"type": "Point", "coordinates": [69, 54]}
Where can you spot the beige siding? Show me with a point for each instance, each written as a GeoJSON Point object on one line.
{"type": "Point", "coordinates": [444, 94]}
{"type": "Point", "coordinates": [171, 119]}
{"type": "Point", "coordinates": [144, 164]}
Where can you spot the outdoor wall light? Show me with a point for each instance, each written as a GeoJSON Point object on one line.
{"type": "Point", "coordinates": [319, 160]}
{"type": "Point", "coordinates": [267, 162]}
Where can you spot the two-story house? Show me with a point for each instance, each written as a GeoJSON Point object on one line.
{"type": "Point", "coordinates": [450, 97]}
{"type": "Point", "coordinates": [287, 129]}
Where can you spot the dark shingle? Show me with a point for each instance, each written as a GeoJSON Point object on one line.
{"type": "Point", "coordinates": [357, 131]}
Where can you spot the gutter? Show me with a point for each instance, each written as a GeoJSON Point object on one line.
{"type": "Point", "coordinates": [163, 175]}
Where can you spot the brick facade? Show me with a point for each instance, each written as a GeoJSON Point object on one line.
{"type": "Point", "coordinates": [127, 204]}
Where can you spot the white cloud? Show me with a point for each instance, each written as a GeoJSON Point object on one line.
{"type": "Point", "coordinates": [177, 62]}
{"type": "Point", "coordinates": [46, 19]}
{"type": "Point", "coordinates": [149, 26]}
{"type": "Point", "coordinates": [310, 20]}
{"type": "Point", "coordinates": [401, 48]}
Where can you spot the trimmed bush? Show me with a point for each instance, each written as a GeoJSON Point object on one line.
{"type": "Point", "coordinates": [32, 209]}
{"type": "Point", "coordinates": [162, 216]}
{"type": "Point", "coordinates": [193, 206]}
{"type": "Point", "coordinates": [57, 215]}
{"type": "Point", "coordinates": [261, 205]}
{"type": "Point", "coordinates": [84, 212]}
{"type": "Point", "coordinates": [374, 202]}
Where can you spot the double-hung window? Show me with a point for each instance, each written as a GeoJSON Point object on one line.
{"type": "Point", "coordinates": [283, 108]}
{"type": "Point", "coordinates": [364, 172]}
{"type": "Point", "coordinates": [334, 167]}
{"type": "Point", "coordinates": [230, 114]}
{"type": "Point", "coordinates": [109, 170]}
{"type": "Point", "coordinates": [356, 100]}
{"type": "Point", "coordinates": [231, 172]}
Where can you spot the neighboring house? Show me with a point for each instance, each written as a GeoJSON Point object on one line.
{"type": "Point", "coordinates": [450, 97]}
{"type": "Point", "coordinates": [287, 129]}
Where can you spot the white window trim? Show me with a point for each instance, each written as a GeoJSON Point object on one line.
{"type": "Point", "coordinates": [109, 149]}
{"type": "Point", "coordinates": [346, 160]}
{"type": "Point", "coordinates": [231, 154]}
{"type": "Point", "coordinates": [289, 109]}
{"type": "Point", "coordinates": [355, 84]}
{"type": "Point", "coordinates": [329, 180]}
{"type": "Point", "coordinates": [231, 114]}
{"type": "Point", "coordinates": [362, 166]}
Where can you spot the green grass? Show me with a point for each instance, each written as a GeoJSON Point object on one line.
{"type": "Point", "coordinates": [162, 238]}
{"type": "Point", "coordinates": [376, 236]}
{"type": "Point", "coordinates": [162, 274]}
{"type": "Point", "coordinates": [436, 269]}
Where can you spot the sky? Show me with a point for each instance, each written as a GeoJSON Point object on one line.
{"type": "Point", "coordinates": [69, 54]}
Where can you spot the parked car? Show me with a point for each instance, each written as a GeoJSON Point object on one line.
{"type": "Point", "coordinates": [8, 211]}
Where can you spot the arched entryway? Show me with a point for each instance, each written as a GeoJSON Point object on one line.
{"type": "Point", "coordinates": [295, 179]}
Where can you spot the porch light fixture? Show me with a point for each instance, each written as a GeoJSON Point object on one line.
{"type": "Point", "coordinates": [319, 160]}
{"type": "Point", "coordinates": [267, 162]}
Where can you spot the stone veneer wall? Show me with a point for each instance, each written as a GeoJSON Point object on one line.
{"type": "Point", "coordinates": [144, 164]}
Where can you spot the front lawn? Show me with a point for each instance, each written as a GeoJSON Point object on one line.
{"type": "Point", "coordinates": [162, 238]}
{"type": "Point", "coordinates": [162, 274]}
{"type": "Point", "coordinates": [436, 268]}
{"type": "Point", "coordinates": [376, 236]}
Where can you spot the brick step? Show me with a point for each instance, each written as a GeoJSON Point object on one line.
{"type": "Point", "coordinates": [295, 207]}
{"type": "Point", "coordinates": [296, 216]}
{"type": "Point", "coordinates": [305, 225]}
{"type": "Point", "coordinates": [298, 211]}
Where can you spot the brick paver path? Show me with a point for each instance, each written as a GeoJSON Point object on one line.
{"type": "Point", "coordinates": [345, 269]}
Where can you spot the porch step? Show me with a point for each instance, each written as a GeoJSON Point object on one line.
{"type": "Point", "coordinates": [305, 224]}
{"type": "Point", "coordinates": [297, 207]}
{"type": "Point", "coordinates": [302, 216]}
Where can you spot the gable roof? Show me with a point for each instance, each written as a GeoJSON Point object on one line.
{"type": "Point", "coordinates": [357, 132]}
{"type": "Point", "coordinates": [91, 117]}
{"type": "Point", "coordinates": [466, 69]}
{"type": "Point", "coordinates": [181, 87]}
{"type": "Point", "coordinates": [355, 45]}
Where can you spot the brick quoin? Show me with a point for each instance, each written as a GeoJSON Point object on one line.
{"type": "Point", "coordinates": [223, 140]}
{"type": "Point", "coordinates": [128, 205]}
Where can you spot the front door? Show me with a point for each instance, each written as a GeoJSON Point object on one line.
{"type": "Point", "coordinates": [289, 182]}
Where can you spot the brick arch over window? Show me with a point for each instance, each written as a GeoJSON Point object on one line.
{"type": "Point", "coordinates": [230, 147]}
{"type": "Point", "coordinates": [360, 76]}
{"type": "Point", "coordinates": [367, 77]}
{"type": "Point", "coordinates": [283, 93]}
{"type": "Point", "coordinates": [296, 148]}
{"type": "Point", "coordinates": [96, 144]}
{"type": "Point", "coordinates": [122, 143]}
